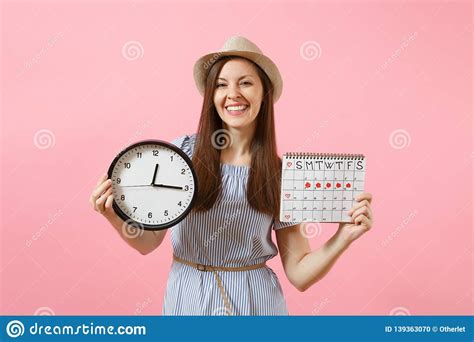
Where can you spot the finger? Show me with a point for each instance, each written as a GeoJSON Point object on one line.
{"type": "Point", "coordinates": [102, 178]}
{"type": "Point", "coordinates": [366, 222]}
{"type": "Point", "coordinates": [356, 206]}
{"type": "Point", "coordinates": [109, 201]}
{"type": "Point", "coordinates": [101, 188]}
{"type": "Point", "coordinates": [97, 193]}
{"type": "Point", "coordinates": [368, 212]}
{"type": "Point", "coordinates": [361, 219]}
{"type": "Point", "coordinates": [364, 196]}
{"type": "Point", "coordinates": [361, 211]}
{"type": "Point", "coordinates": [370, 215]}
{"type": "Point", "coordinates": [101, 200]}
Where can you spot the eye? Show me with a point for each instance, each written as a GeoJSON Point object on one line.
{"type": "Point", "coordinates": [246, 82]}
{"type": "Point", "coordinates": [219, 85]}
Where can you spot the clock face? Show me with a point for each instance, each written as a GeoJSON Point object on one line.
{"type": "Point", "coordinates": [153, 184]}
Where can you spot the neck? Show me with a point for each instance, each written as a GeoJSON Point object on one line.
{"type": "Point", "coordinates": [239, 151]}
{"type": "Point", "coordinates": [241, 140]}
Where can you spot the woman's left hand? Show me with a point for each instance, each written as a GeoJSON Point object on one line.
{"type": "Point", "coordinates": [362, 219]}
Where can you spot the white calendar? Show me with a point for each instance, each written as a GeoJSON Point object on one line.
{"type": "Point", "coordinates": [320, 187]}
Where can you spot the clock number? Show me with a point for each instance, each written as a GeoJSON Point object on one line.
{"type": "Point", "coordinates": [155, 152]}
{"type": "Point", "coordinates": [183, 171]}
{"type": "Point", "coordinates": [179, 203]}
{"type": "Point", "coordinates": [150, 215]}
{"type": "Point", "coordinates": [127, 165]}
{"type": "Point", "coordinates": [122, 197]}
{"type": "Point", "coordinates": [118, 180]}
{"type": "Point", "coordinates": [139, 154]}
{"type": "Point", "coordinates": [135, 209]}
{"type": "Point", "coordinates": [186, 188]}
{"type": "Point", "coordinates": [166, 212]}
{"type": "Point", "coordinates": [171, 158]}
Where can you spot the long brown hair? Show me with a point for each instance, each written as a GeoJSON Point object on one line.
{"type": "Point", "coordinates": [263, 185]}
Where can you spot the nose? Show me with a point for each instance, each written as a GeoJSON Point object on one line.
{"type": "Point", "coordinates": [233, 92]}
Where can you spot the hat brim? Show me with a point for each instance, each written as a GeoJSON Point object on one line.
{"type": "Point", "coordinates": [203, 64]}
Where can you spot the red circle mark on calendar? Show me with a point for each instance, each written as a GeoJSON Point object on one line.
{"type": "Point", "coordinates": [338, 185]}
{"type": "Point", "coordinates": [348, 185]}
{"type": "Point", "coordinates": [328, 185]}
{"type": "Point", "coordinates": [318, 185]}
{"type": "Point", "coordinates": [307, 185]}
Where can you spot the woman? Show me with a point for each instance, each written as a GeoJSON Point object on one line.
{"type": "Point", "coordinates": [221, 247]}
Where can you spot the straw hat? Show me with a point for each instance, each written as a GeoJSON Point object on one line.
{"type": "Point", "coordinates": [238, 46]}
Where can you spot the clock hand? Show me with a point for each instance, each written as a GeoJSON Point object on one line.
{"type": "Point", "coordinates": [168, 186]}
{"type": "Point", "coordinates": [127, 186]}
{"type": "Point", "coordinates": [154, 175]}
{"type": "Point", "coordinates": [154, 185]}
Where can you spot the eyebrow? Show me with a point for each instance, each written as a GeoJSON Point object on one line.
{"type": "Point", "coordinates": [220, 78]}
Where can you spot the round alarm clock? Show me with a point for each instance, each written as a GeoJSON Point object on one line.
{"type": "Point", "coordinates": [153, 184]}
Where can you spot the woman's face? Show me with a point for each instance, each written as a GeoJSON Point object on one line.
{"type": "Point", "coordinates": [238, 94]}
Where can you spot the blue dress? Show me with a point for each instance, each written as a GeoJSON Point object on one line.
{"type": "Point", "coordinates": [230, 234]}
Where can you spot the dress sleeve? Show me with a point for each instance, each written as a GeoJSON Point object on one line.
{"type": "Point", "coordinates": [280, 225]}
{"type": "Point", "coordinates": [185, 143]}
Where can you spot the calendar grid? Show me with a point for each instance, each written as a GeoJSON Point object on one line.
{"type": "Point", "coordinates": [322, 193]}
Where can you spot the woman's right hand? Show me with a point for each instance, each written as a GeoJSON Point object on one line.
{"type": "Point", "coordinates": [102, 198]}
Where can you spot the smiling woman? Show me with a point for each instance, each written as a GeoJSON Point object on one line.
{"type": "Point", "coordinates": [228, 231]}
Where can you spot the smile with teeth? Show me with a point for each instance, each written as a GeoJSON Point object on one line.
{"type": "Point", "coordinates": [236, 108]}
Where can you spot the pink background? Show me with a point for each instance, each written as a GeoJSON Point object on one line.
{"type": "Point", "coordinates": [392, 81]}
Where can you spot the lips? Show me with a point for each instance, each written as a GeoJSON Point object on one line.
{"type": "Point", "coordinates": [236, 110]}
{"type": "Point", "coordinates": [236, 107]}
